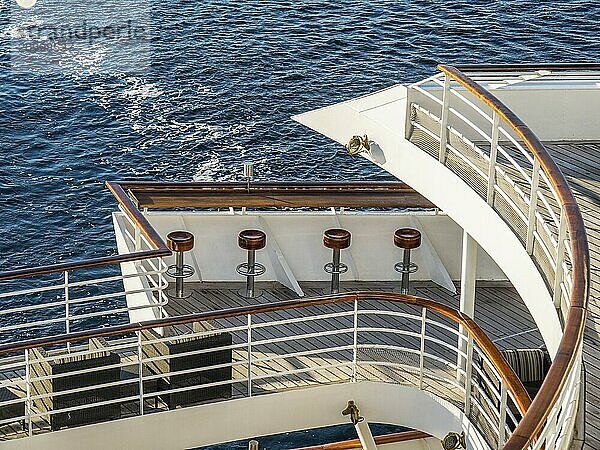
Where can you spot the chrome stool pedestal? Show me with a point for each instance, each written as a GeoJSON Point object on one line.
{"type": "Point", "coordinates": [180, 242]}
{"type": "Point", "coordinates": [251, 240]}
{"type": "Point", "coordinates": [336, 239]}
{"type": "Point", "coordinates": [407, 239]}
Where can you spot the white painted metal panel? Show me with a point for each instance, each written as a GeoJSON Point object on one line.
{"type": "Point", "coordinates": [263, 415]}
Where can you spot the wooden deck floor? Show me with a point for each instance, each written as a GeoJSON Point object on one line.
{"type": "Point", "coordinates": [494, 301]}
{"type": "Point", "coordinates": [580, 163]}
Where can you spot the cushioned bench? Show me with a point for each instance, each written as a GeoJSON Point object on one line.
{"type": "Point", "coordinates": [184, 343]}
{"type": "Point", "coordinates": [94, 374]}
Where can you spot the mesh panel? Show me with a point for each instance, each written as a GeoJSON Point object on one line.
{"type": "Point", "coordinates": [429, 142]}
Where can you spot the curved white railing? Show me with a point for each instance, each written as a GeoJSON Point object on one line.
{"type": "Point", "coordinates": [477, 137]}
{"type": "Point", "coordinates": [364, 336]}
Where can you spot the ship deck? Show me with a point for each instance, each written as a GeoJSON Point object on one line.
{"type": "Point", "coordinates": [580, 164]}
{"type": "Point", "coordinates": [493, 300]}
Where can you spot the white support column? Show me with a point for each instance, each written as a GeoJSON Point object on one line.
{"type": "Point", "coordinates": [367, 441]}
{"type": "Point", "coordinates": [467, 291]}
{"type": "Point", "coordinates": [468, 274]}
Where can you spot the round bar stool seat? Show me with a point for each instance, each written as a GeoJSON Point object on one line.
{"type": "Point", "coordinates": [180, 241]}
{"type": "Point", "coordinates": [407, 238]}
{"type": "Point", "coordinates": [252, 239]}
{"type": "Point", "coordinates": [336, 238]}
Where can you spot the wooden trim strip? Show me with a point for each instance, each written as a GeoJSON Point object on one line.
{"type": "Point", "coordinates": [572, 339]}
{"type": "Point", "coordinates": [138, 218]}
{"type": "Point", "coordinates": [392, 438]}
{"type": "Point", "coordinates": [83, 264]}
{"type": "Point", "coordinates": [485, 344]}
{"type": "Point", "coordinates": [263, 195]}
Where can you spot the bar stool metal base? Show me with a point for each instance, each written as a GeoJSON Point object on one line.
{"type": "Point", "coordinates": [186, 271]}
{"type": "Point", "coordinates": [243, 293]}
{"type": "Point", "coordinates": [250, 272]}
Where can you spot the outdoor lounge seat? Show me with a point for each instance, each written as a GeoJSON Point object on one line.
{"type": "Point", "coordinates": [183, 344]}
{"type": "Point", "coordinates": [40, 366]}
{"type": "Point", "coordinates": [531, 366]}
{"type": "Point", "coordinates": [15, 410]}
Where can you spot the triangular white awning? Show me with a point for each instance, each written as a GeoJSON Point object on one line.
{"type": "Point", "coordinates": [362, 115]}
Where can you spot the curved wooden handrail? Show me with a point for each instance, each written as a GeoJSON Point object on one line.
{"type": "Point", "coordinates": [508, 376]}
{"type": "Point", "coordinates": [392, 438]}
{"type": "Point", "coordinates": [565, 358]}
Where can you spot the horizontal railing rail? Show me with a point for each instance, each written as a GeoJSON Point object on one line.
{"type": "Point", "coordinates": [564, 67]}
{"type": "Point", "coordinates": [78, 299]}
{"type": "Point", "coordinates": [512, 170]}
{"type": "Point", "coordinates": [254, 350]}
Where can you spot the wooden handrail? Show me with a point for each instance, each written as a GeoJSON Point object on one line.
{"type": "Point", "coordinates": [565, 358]}
{"type": "Point", "coordinates": [392, 438]}
{"type": "Point", "coordinates": [508, 376]}
{"type": "Point", "coordinates": [153, 195]}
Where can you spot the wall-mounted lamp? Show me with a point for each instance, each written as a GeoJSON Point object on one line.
{"type": "Point", "coordinates": [358, 144]}
{"type": "Point", "coordinates": [454, 441]}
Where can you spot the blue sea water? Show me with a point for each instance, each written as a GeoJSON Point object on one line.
{"type": "Point", "coordinates": [221, 82]}
{"type": "Point", "coordinates": [307, 438]}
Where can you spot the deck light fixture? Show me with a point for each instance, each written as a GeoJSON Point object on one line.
{"type": "Point", "coordinates": [454, 441]}
{"type": "Point", "coordinates": [358, 144]}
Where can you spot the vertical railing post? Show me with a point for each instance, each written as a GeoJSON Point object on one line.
{"type": "Point", "coordinates": [551, 434]}
{"type": "Point", "coordinates": [141, 371]}
{"type": "Point", "coordinates": [469, 374]}
{"type": "Point", "coordinates": [531, 218]}
{"type": "Point", "coordinates": [67, 309]}
{"type": "Point", "coordinates": [493, 157]}
{"type": "Point", "coordinates": [161, 295]}
{"type": "Point", "coordinates": [560, 259]}
{"type": "Point", "coordinates": [249, 355]}
{"type": "Point", "coordinates": [28, 394]}
{"type": "Point", "coordinates": [444, 120]}
{"type": "Point", "coordinates": [422, 352]}
{"type": "Point", "coordinates": [355, 341]}
{"type": "Point", "coordinates": [502, 419]}
{"type": "Point", "coordinates": [138, 238]}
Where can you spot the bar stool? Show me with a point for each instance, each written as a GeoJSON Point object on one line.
{"type": "Point", "coordinates": [180, 242]}
{"type": "Point", "coordinates": [336, 239]}
{"type": "Point", "coordinates": [407, 239]}
{"type": "Point", "coordinates": [251, 240]}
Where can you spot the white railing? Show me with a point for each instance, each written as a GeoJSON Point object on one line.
{"type": "Point", "coordinates": [466, 134]}
{"type": "Point", "coordinates": [82, 298]}
{"type": "Point", "coordinates": [269, 349]}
